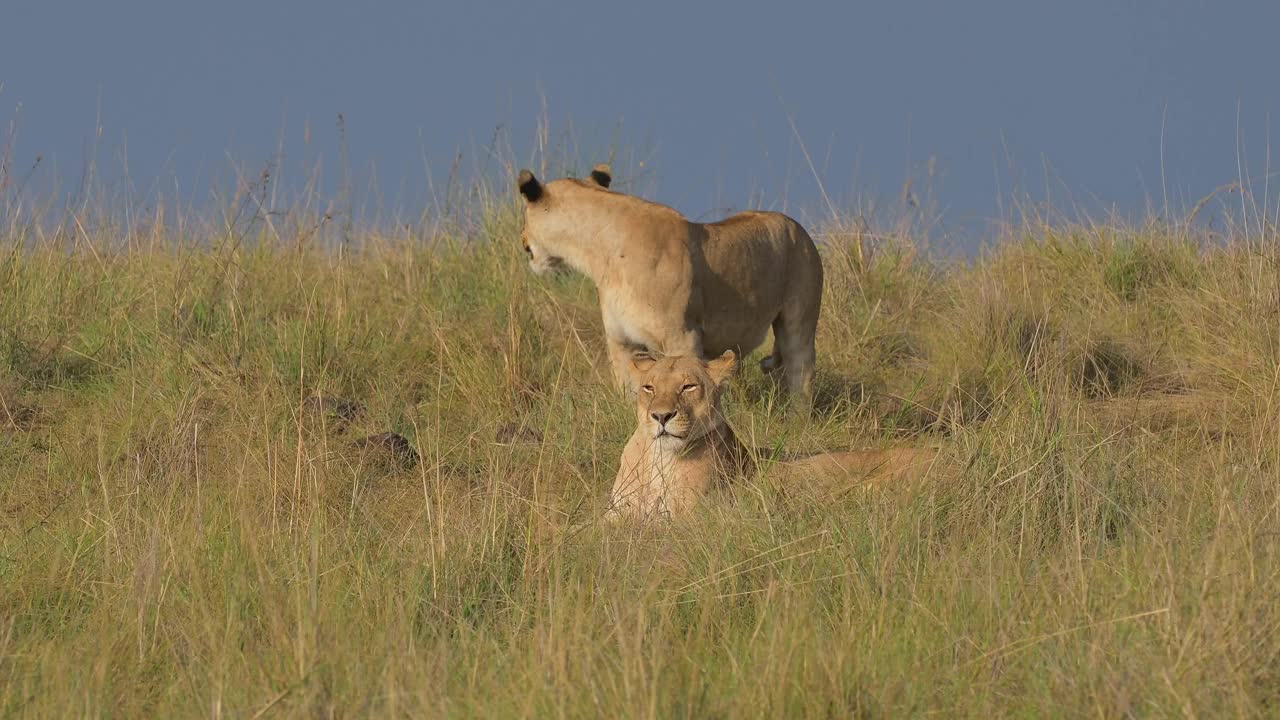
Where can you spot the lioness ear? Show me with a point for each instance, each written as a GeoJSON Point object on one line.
{"type": "Point", "coordinates": [722, 368]}
{"type": "Point", "coordinates": [601, 175]}
{"type": "Point", "coordinates": [529, 186]}
{"type": "Point", "coordinates": [641, 363]}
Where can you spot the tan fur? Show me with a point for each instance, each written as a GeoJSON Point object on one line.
{"type": "Point", "coordinates": [669, 286]}
{"type": "Point", "coordinates": [839, 472]}
{"type": "Point", "coordinates": [683, 449]}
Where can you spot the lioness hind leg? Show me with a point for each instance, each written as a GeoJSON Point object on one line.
{"type": "Point", "coordinates": [798, 373]}
{"type": "Point", "coordinates": [794, 343]}
{"type": "Point", "coordinates": [773, 363]}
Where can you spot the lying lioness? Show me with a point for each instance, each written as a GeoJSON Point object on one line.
{"type": "Point", "coordinates": [682, 448]}
{"type": "Point", "coordinates": [673, 287]}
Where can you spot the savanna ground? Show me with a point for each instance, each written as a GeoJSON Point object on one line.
{"type": "Point", "coordinates": [188, 526]}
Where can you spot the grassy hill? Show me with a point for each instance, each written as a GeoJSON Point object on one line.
{"type": "Point", "coordinates": [191, 526]}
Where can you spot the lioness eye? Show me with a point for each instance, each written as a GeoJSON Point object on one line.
{"type": "Point", "coordinates": [687, 388]}
{"type": "Point", "coordinates": [647, 388]}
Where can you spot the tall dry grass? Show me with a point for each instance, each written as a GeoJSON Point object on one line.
{"type": "Point", "coordinates": [186, 530]}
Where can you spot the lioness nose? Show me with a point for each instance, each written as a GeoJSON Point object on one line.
{"type": "Point", "coordinates": [662, 418]}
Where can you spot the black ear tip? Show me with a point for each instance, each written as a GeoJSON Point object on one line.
{"type": "Point", "coordinates": [602, 175]}
{"type": "Point", "coordinates": [529, 185]}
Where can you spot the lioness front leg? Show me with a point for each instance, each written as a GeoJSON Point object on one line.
{"type": "Point", "coordinates": [687, 343]}
{"type": "Point", "coordinates": [620, 355]}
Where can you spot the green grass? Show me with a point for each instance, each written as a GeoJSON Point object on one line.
{"type": "Point", "coordinates": [182, 533]}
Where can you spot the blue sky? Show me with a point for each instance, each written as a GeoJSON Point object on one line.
{"type": "Point", "coordinates": [1084, 101]}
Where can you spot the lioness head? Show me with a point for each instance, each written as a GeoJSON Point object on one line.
{"type": "Point", "coordinates": [543, 229]}
{"type": "Point", "coordinates": [679, 397]}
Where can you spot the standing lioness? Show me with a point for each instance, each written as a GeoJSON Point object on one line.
{"type": "Point", "coordinates": [673, 287]}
